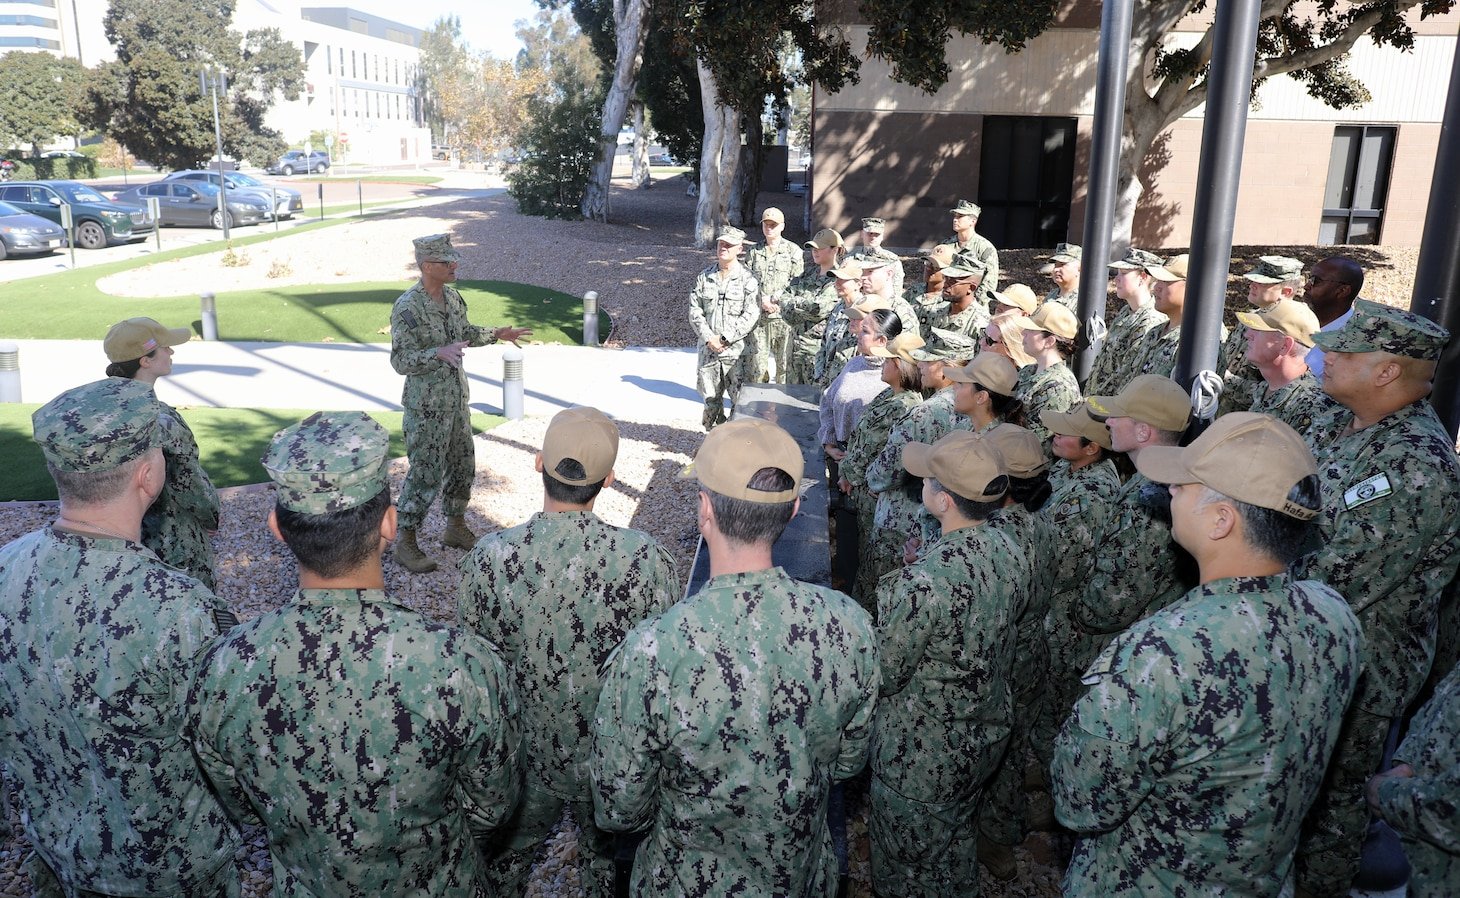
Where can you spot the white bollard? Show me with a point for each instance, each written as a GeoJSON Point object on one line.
{"type": "Point", "coordinates": [210, 317]}
{"type": "Point", "coordinates": [512, 383]}
{"type": "Point", "coordinates": [590, 318]}
{"type": "Point", "coordinates": [9, 372]}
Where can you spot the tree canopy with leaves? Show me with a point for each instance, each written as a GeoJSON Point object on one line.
{"type": "Point", "coordinates": [43, 99]}
{"type": "Point", "coordinates": [1308, 42]}
{"type": "Point", "coordinates": [150, 98]}
{"type": "Point", "coordinates": [473, 101]}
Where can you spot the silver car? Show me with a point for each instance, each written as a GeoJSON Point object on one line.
{"type": "Point", "coordinates": [196, 203]}
{"type": "Point", "coordinates": [286, 200]}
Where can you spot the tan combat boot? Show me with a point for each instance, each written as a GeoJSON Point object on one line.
{"type": "Point", "coordinates": [409, 555]}
{"type": "Point", "coordinates": [457, 534]}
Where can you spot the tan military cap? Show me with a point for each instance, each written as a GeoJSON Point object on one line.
{"type": "Point", "coordinates": [849, 270]}
{"type": "Point", "coordinates": [963, 463]}
{"type": "Point", "coordinates": [1151, 399]}
{"type": "Point", "coordinates": [734, 451]}
{"type": "Point", "coordinates": [1287, 316]}
{"type": "Point", "coordinates": [1018, 296]}
{"type": "Point", "coordinates": [585, 435]}
{"type": "Point", "coordinates": [773, 214]}
{"type": "Point", "coordinates": [1022, 450]}
{"type": "Point", "coordinates": [135, 337]}
{"type": "Point", "coordinates": [1247, 456]}
{"type": "Point", "coordinates": [1173, 270]}
{"type": "Point", "coordinates": [825, 239]}
{"type": "Point", "coordinates": [869, 303]}
{"type": "Point", "coordinates": [990, 370]}
{"type": "Point", "coordinates": [1076, 423]}
{"type": "Point", "coordinates": [901, 347]}
{"type": "Point", "coordinates": [1054, 318]}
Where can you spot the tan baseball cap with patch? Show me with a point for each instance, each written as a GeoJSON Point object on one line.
{"type": "Point", "coordinates": [825, 238]}
{"type": "Point", "coordinates": [1054, 318]}
{"type": "Point", "coordinates": [849, 270]}
{"type": "Point", "coordinates": [733, 452]}
{"type": "Point", "coordinates": [1022, 450]}
{"type": "Point", "coordinates": [1286, 316]}
{"type": "Point", "coordinates": [135, 337]}
{"type": "Point", "coordinates": [990, 370]}
{"type": "Point", "coordinates": [773, 214]}
{"type": "Point", "coordinates": [1151, 399]}
{"type": "Point", "coordinates": [1250, 457]}
{"type": "Point", "coordinates": [1018, 296]}
{"type": "Point", "coordinates": [962, 462]}
{"type": "Point", "coordinates": [1076, 423]}
{"type": "Point", "coordinates": [585, 435]}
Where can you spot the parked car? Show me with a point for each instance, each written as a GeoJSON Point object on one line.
{"type": "Point", "coordinates": [296, 160]}
{"type": "Point", "coordinates": [98, 221]}
{"type": "Point", "coordinates": [22, 233]}
{"type": "Point", "coordinates": [63, 154]}
{"type": "Point", "coordinates": [196, 203]}
{"type": "Point", "coordinates": [662, 159]}
{"type": "Point", "coordinates": [289, 200]}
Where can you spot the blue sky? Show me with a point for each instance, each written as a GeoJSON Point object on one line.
{"type": "Point", "coordinates": [485, 25]}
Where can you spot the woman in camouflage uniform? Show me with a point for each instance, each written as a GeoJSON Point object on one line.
{"type": "Point", "coordinates": [177, 525]}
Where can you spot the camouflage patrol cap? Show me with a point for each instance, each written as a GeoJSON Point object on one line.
{"type": "Point", "coordinates": [1287, 316]}
{"type": "Point", "coordinates": [1150, 398]}
{"type": "Point", "coordinates": [1054, 318]}
{"type": "Point", "coordinates": [965, 259]}
{"type": "Point", "coordinates": [1076, 423]}
{"type": "Point", "coordinates": [733, 452]}
{"type": "Point", "coordinates": [957, 272]}
{"type": "Point", "coordinates": [1376, 327]}
{"type": "Point", "coordinates": [1022, 450]}
{"type": "Point", "coordinates": [965, 207]}
{"type": "Point", "coordinates": [1066, 252]}
{"type": "Point", "coordinates": [1137, 258]}
{"type": "Point", "coordinates": [990, 370]}
{"type": "Point", "coordinates": [1018, 296]}
{"type": "Point", "coordinates": [329, 462]}
{"type": "Point", "coordinates": [874, 225]}
{"type": "Point", "coordinates": [435, 248]}
{"type": "Point", "coordinates": [825, 239]}
{"type": "Point", "coordinates": [946, 346]}
{"type": "Point", "coordinates": [585, 435]}
{"type": "Point", "coordinates": [1275, 270]}
{"type": "Point", "coordinates": [869, 303]}
{"type": "Point", "coordinates": [1173, 269]}
{"type": "Point", "coordinates": [730, 235]}
{"type": "Point", "coordinates": [900, 346]}
{"type": "Point", "coordinates": [1250, 457]}
{"type": "Point", "coordinates": [135, 337]}
{"type": "Point", "coordinates": [963, 463]}
{"type": "Point", "coordinates": [98, 426]}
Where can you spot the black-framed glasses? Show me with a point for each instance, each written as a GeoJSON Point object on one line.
{"type": "Point", "coordinates": [1315, 279]}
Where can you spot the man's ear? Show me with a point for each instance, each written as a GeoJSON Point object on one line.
{"type": "Point", "coordinates": [537, 463]}
{"type": "Point", "coordinates": [388, 524]}
{"type": "Point", "coordinates": [1224, 521]}
{"type": "Point", "coordinates": [274, 524]}
{"type": "Point", "coordinates": [608, 479]}
{"type": "Point", "coordinates": [151, 475]}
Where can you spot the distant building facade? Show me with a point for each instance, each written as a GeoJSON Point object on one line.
{"type": "Point", "coordinates": [1013, 132]}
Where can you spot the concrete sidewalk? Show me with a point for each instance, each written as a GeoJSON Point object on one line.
{"type": "Point", "coordinates": [649, 385]}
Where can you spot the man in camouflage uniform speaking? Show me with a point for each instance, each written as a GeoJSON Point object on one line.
{"type": "Point", "coordinates": [1187, 766]}
{"type": "Point", "coordinates": [557, 595]}
{"type": "Point", "coordinates": [724, 721]}
{"type": "Point", "coordinates": [428, 332]}
{"type": "Point", "coordinates": [365, 738]}
{"type": "Point", "coordinates": [98, 640]}
{"type": "Point", "coordinates": [1391, 543]}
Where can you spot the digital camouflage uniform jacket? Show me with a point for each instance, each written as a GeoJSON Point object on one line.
{"type": "Point", "coordinates": [1055, 388]}
{"type": "Point", "coordinates": [98, 642]}
{"type": "Point", "coordinates": [804, 306]}
{"type": "Point", "coordinates": [722, 725]}
{"type": "Point", "coordinates": [556, 595]}
{"type": "Point", "coordinates": [970, 322]}
{"type": "Point", "coordinates": [1189, 764]}
{"type": "Point", "coordinates": [1077, 510]}
{"type": "Point", "coordinates": [1425, 808]}
{"type": "Point", "coordinates": [1296, 403]}
{"type": "Point", "coordinates": [177, 524]}
{"type": "Point", "coordinates": [418, 326]}
{"type": "Point", "coordinates": [1118, 359]}
{"type": "Point", "coordinates": [369, 741]}
{"type": "Point", "coordinates": [1391, 534]}
{"type": "Point", "coordinates": [774, 268]}
{"type": "Point", "coordinates": [982, 249]}
{"type": "Point", "coordinates": [728, 308]}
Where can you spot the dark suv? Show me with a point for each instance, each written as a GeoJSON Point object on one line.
{"type": "Point", "coordinates": [296, 160]}
{"type": "Point", "coordinates": [98, 220]}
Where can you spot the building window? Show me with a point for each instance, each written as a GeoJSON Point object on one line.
{"type": "Point", "coordinates": [29, 43]}
{"type": "Point", "coordinates": [1025, 179]}
{"type": "Point", "coordinates": [1358, 184]}
{"type": "Point", "coordinates": [329, 62]}
{"type": "Point", "coordinates": [47, 3]}
{"type": "Point", "coordinates": [37, 21]}
{"type": "Point", "coordinates": [353, 72]}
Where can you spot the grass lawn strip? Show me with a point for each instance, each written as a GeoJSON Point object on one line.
{"type": "Point", "coordinates": [230, 440]}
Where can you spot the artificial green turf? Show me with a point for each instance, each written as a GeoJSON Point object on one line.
{"type": "Point", "coordinates": [230, 441]}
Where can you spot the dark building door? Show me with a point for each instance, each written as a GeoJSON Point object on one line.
{"type": "Point", "coordinates": [1026, 176]}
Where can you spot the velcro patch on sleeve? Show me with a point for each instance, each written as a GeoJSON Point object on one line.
{"type": "Point", "coordinates": [1376, 487]}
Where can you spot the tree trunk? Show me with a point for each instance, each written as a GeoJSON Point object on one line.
{"type": "Point", "coordinates": [641, 146]}
{"type": "Point", "coordinates": [719, 159]}
{"type": "Point", "coordinates": [630, 18]}
{"type": "Point", "coordinates": [1143, 126]}
{"type": "Point", "coordinates": [747, 179]}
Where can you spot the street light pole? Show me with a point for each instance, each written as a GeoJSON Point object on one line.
{"type": "Point", "coordinates": [214, 83]}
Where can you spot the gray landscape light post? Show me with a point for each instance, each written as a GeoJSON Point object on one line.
{"type": "Point", "coordinates": [215, 82]}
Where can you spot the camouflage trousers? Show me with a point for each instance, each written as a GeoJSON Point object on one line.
{"type": "Point", "coordinates": [718, 378]}
{"type": "Point", "coordinates": [802, 367]}
{"type": "Point", "coordinates": [921, 849]}
{"type": "Point", "coordinates": [768, 352]}
{"type": "Point", "coordinates": [1333, 834]}
{"type": "Point", "coordinates": [894, 520]}
{"type": "Point", "coordinates": [226, 882]}
{"type": "Point", "coordinates": [512, 849]}
{"type": "Point", "coordinates": [180, 541]}
{"type": "Point", "coordinates": [864, 585]}
{"type": "Point", "coordinates": [443, 461]}
{"type": "Point", "coordinates": [1001, 819]}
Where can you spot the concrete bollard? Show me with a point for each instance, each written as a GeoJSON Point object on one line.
{"type": "Point", "coordinates": [590, 318]}
{"type": "Point", "coordinates": [9, 372]}
{"type": "Point", "coordinates": [512, 383]}
{"type": "Point", "coordinates": [210, 316]}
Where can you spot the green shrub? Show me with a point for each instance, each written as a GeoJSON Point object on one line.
{"type": "Point", "coordinates": [62, 168]}
{"type": "Point", "coordinates": [558, 152]}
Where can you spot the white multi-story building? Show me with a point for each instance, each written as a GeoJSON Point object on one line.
{"type": "Point", "coordinates": [62, 27]}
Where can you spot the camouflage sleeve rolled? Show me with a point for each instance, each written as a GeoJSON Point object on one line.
{"type": "Point", "coordinates": [190, 491]}
{"type": "Point", "coordinates": [492, 764]}
{"type": "Point", "coordinates": [1102, 758]}
{"type": "Point", "coordinates": [1426, 806]}
{"type": "Point", "coordinates": [628, 735]}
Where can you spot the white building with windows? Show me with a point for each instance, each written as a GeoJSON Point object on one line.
{"type": "Point", "coordinates": [61, 27]}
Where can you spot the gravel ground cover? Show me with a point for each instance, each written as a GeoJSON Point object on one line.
{"type": "Point", "coordinates": [642, 265]}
